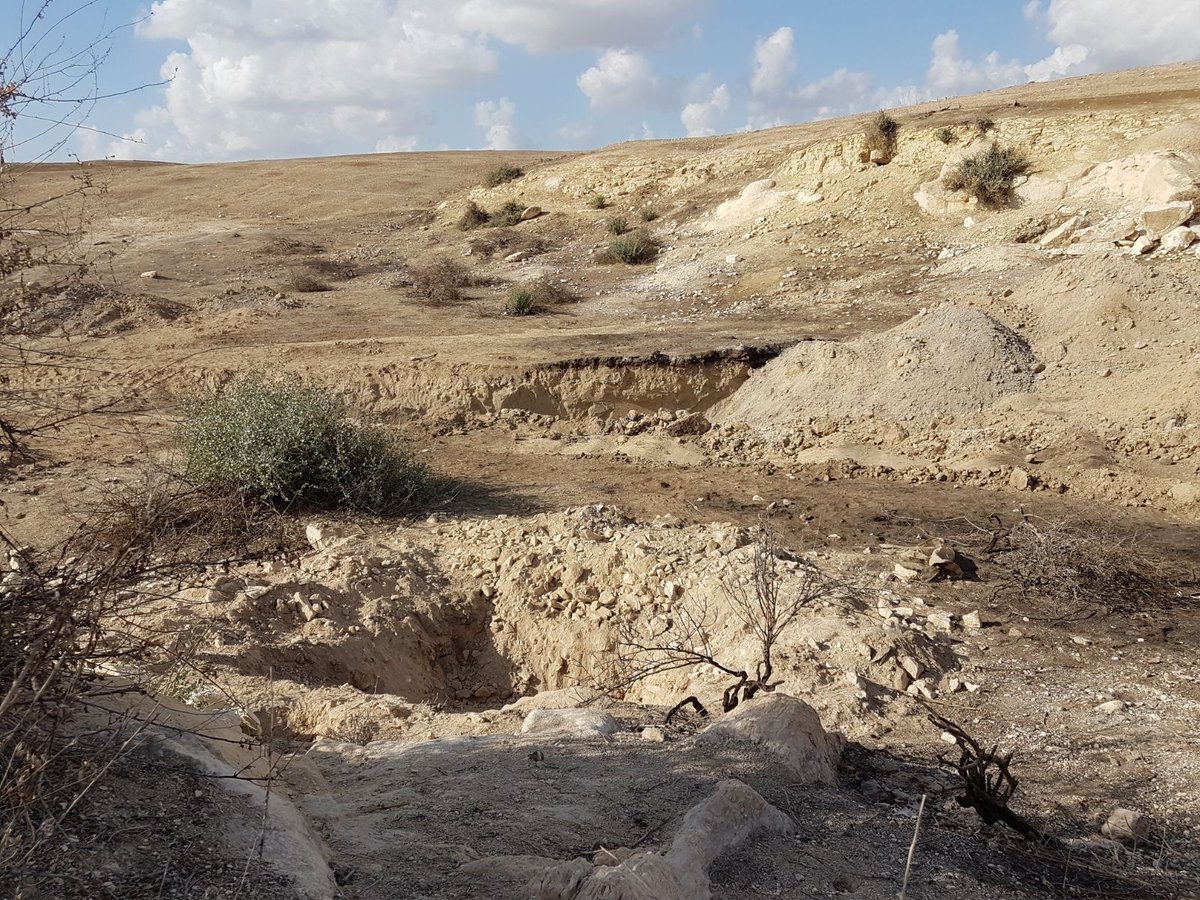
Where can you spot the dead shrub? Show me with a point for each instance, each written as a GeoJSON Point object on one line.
{"type": "Point", "coordinates": [597, 201]}
{"type": "Point", "coordinates": [760, 601]}
{"type": "Point", "coordinates": [474, 216]}
{"type": "Point", "coordinates": [535, 297]}
{"type": "Point", "coordinates": [882, 133]}
{"type": "Point", "coordinates": [618, 225]}
{"type": "Point", "coordinates": [441, 282]}
{"type": "Point", "coordinates": [946, 135]}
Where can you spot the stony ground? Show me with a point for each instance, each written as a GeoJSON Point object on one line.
{"type": "Point", "coordinates": [844, 348]}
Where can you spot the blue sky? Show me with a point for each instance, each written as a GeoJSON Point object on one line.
{"type": "Point", "coordinates": [251, 79]}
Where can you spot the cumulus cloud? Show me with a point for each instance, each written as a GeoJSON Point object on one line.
{"type": "Point", "coordinates": [496, 118]}
{"type": "Point", "coordinates": [286, 77]}
{"type": "Point", "coordinates": [703, 117]}
{"type": "Point", "coordinates": [554, 26]}
{"type": "Point", "coordinates": [1119, 34]}
{"type": "Point", "coordinates": [952, 73]}
{"type": "Point", "coordinates": [774, 62]}
{"type": "Point", "coordinates": [623, 79]}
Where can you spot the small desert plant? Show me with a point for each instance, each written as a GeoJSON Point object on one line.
{"type": "Point", "coordinates": [303, 283]}
{"type": "Point", "coordinates": [522, 301]}
{"type": "Point", "coordinates": [473, 217]}
{"type": "Point", "coordinates": [633, 248]}
{"type": "Point", "coordinates": [476, 217]}
{"type": "Point", "coordinates": [946, 135]}
{"type": "Point", "coordinates": [989, 174]}
{"type": "Point", "coordinates": [983, 125]}
{"type": "Point", "coordinates": [508, 214]}
{"type": "Point", "coordinates": [502, 175]}
{"type": "Point", "coordinates": [286, 442]}
{"type": "Point", "coordinates": [618, 225]}
{"type": "Point", "coordinates": [440, 282]}
{"type": "Point", "coordinates": [648, 214]}
{"type": "Point", "coordinates": [536, 296]}
{"type": "Point", "coordinates": [882, 133]}
{"type": "Point", "coordinates": [596, 201]}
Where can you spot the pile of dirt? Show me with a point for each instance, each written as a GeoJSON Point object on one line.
{"type": "Point", "coordinates": [952, 361]}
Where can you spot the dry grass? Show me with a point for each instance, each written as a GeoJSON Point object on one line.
{"type": "Point", "coordinates": [537, 297]}
{"type": "Point", "coordinates": [331, 268]}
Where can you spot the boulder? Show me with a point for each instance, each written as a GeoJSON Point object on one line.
{"type": "Point", "coordinates": [1061, 236]}
{"type": "Point", "coordinates": [1127, 826]}
{"type": "Point", "coordinates": [1159, 219]}
{"type": "Point", "coordinates": [787, 727]}
{"type": "Point", "coordinates": [584, 723]}
{"type": "Point", "coordinates": [727, 819]}
{"type": "Point", "coordinates": [1178, 239]}
{"type": "Point", "coordinates": [531, 212]}
{"type": "Point", "coordinates": [1143, 245]}
{"type": "Point", "coordinates": [1171, 178]}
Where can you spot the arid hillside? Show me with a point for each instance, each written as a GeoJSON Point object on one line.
{"type": "Point", "coordinates": [936, 384]}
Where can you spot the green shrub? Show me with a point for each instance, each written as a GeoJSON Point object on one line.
{"type": "Point", "coordinates": [989, 174]}
{"type": "Point", "coordinates": [946, 135]}
{"type": "Point", "coordinates": [648, 214]}
{"type": "Point", "coordinates": [534, 297]}
{"type": "Point", "coordinates": [502, 175]}
{"type": "Point", "coordinates": [633, 248]}
{"type": "Point", "coordinates": [521, 302]}
{"type": "Point", "coordinates": [618, 225]}
{"type": "Point", "coordinates": [882, 133]}
{"type": "Point", "coordinates": [596, 201]}
{"type": "Point", "coordinates": [286, 442]}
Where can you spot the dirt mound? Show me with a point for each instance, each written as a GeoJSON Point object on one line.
{"type": "Point", "coordinates": [949, 362]}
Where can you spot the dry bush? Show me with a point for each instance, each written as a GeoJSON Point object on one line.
{"type": "Point", "coordinates": [618, 225]}
{"type": "Point", "coordinates": [502, 175]}
{"type": "Point", "coordinates": [946, 135]}
{"type": "Point", "coordinates": [508, 240]}
{"type": "Point", "coordinates": [476, 217]}
{"type": "Point", "coordinates": [983, 125]}
{"type": "Point", "coordinates": [882, 133]}
{"type": "Point", "coordinates": [1080, 567]}
{"type": "Point", "coordinates": [648, 214]}
{"type": "Point", "coordinates": [597, 201]}
{"type": "Point", "coordinates": [440, 282]}
{"type": "Point", "coordinates": [332, 268]}
{"type": "Point", "coordinates": [758, 601]}
{"type": "Point", "coordinates": [303, 283]}
{"type": "Point", "coordinates": [988, 175]}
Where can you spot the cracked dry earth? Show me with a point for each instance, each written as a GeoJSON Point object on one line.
{"type": "Point", "coordinates": [875, 365]}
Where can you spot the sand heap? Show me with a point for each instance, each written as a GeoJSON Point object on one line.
{"type": "Point", "coordinates": [949, 362]}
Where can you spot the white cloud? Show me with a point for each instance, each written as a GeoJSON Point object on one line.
{"type": "Point", "coordinates": [951, 73]}
{"type": "Point", "coordinates": [774, 62]}
{"type": "Point", "coordinates": [574, 132]}
{"type": "Point", "coordinates": [496, 119]}
{"type": "Point", "coordinates": [554, 26]}
{"type": "Point", "coordinates": [1120, 34]}
{"type": "Point", "coordinates": [703, 117]}
{"type": "Point", "coordinates": [287, 77]}
{"type": "Point", "coordinates": [1032, 9]}
{"type": "Point", "coordinates": [623, 79]}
